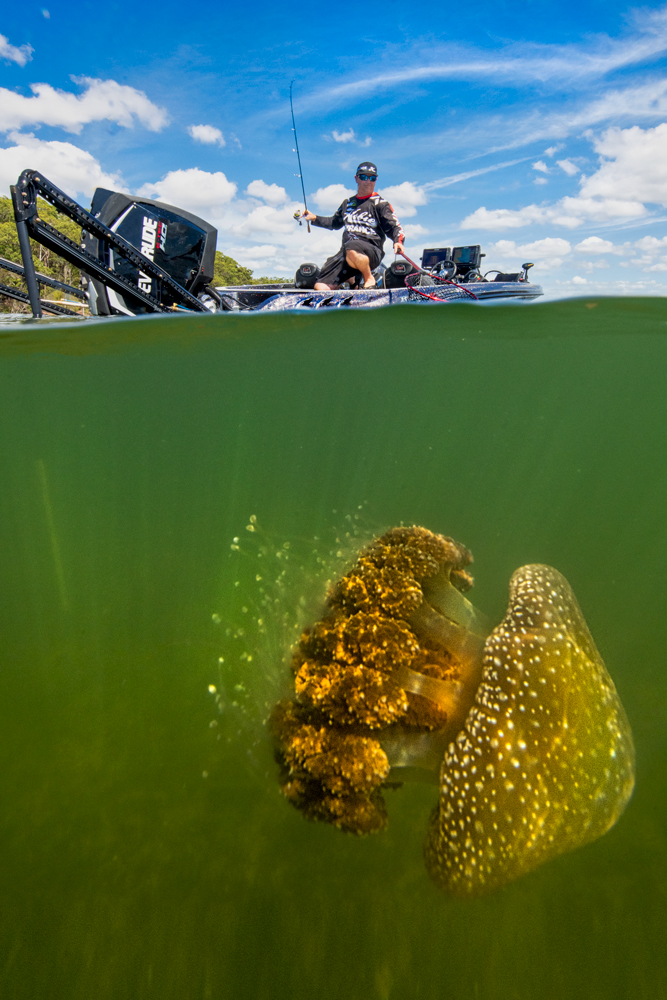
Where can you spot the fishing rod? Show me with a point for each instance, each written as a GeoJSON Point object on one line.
{"type": "Point", "coordinates": [298, 156]}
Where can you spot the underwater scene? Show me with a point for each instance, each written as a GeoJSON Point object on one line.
{"type": "Point", "coordinates": [197, 515]}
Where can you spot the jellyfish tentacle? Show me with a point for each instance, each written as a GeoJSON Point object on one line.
{"type": "Point", "coordinates": [545, 760]}
{"type": "Point", "coordinates": [444, 597]}
{"type": "Point", "coordinates": [446, 694]}
{"type": "Point", "coordinates": [457, 639]}
{"type": "Point", "coordinates": [414, 750]}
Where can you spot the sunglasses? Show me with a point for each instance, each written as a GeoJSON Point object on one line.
{"type": "Point", "coordinates": [367, 177]}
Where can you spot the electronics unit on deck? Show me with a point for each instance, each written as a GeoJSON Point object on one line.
{"type": "Point", "coordinates": [434, 256]}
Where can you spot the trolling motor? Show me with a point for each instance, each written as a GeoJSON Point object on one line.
{"type": "Point", "coordinates": [136, 255]}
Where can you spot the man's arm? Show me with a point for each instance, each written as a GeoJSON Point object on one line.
{"type": "Point", "coordinates": [335, 221]}
{"type": "Point", "coordinates": [391, 226]}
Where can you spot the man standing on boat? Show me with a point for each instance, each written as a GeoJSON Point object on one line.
{"type": "Point", "coordinates": [367, 218]}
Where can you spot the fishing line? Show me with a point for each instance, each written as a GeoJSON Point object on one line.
{"type": "Point", "coordinates": [298, 155]}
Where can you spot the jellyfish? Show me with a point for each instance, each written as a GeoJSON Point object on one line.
{"type": "Point", "coordinates": [520, 725]}
{"type": "Point", "coordinates": [545, 761]}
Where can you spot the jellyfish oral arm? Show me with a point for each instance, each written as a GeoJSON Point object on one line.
{"type": "Point", "coordinates": [446, 694]}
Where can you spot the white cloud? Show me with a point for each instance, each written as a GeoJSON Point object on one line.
{"type": "Point", "coordinates": [632, 166]}
{"type": "Point", "coordinates": [404, 198]}
{"type": "Point", "coordinates": [540, 180]}
{"type": "Point", "coordinates": [541, 165]}
{"type": "Point", "coordinates": [329, 198]}
{"type": "Point", "coordinates": [46, 13]}
{"type": "Point", "coordinates": [550, 247]}
{"type": "Point", "coordinates": [207, 134]}
{"type": "Point", "coordinates": [270, 193]}
{"type": "Point", "coordinates": [594, 265]}
{"type": "Point", "coordinates": [568, 166]}
{"type": "Point", "coordinates": [578, 280]}
{"type": "Point", "coordinates": [413, 230]}
{"type": "Point", "coordinates": [348, 136]}
{"type": "Point", "coordinates": [266, 256]}
{"type": "Point", "coordinates": [263, 220]}
{"type": "Point", "coordinates": [568, 212]}
{"type": "Point", "coordinates": [503, 218]}
{"type": "Point", "coordinates": [594, 244]}
{"type": "Point", "coordinates": [194, 190]}
{"type": "Point", "coordinates": [20, 54]}
{"type": "Point", "coordinates": [282, 255]}
{"type": "Point", "coordinates": [552, 149]}
{"type": "Point", "coordinates": [102, 99]}
{"type": "Point", "coordinates": [630, 174]}
{"type": "Point", "coordinates": [650, 243]}
{"type": "Point", "coordinates": [70, 168]}
{"type": "Point", "coordinates": [548, 252]}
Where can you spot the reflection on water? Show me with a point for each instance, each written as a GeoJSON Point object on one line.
{"type": "Point", "coordinates": [148, 853]}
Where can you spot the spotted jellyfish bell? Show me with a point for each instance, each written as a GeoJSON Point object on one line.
{"type": "Point", "coordinates": [545, 760]}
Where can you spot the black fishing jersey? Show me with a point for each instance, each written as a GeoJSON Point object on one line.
{"type": "Point", "coordinates": [370, 219]}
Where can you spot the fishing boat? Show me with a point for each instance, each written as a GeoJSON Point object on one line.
{"type": "Point", "coordinates": [445, 274]}
{"type": "Point", "coordinates": [139, 256]}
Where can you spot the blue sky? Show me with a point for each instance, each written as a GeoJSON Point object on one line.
{"type": "Point", "coordinates": [540, 135]}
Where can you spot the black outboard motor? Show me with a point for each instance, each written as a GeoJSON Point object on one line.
{"type": "Point", "coordinates": [179, 242]}
{"type": "Point", "coordinates": [396, 273]}
{"type": "Point", "coordinates": [306, 276]}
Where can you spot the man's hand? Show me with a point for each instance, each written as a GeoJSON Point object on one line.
{"type": "Point", "coordinates": [398, 248]}
{"type": "Point", "coordinates": [308, 216]}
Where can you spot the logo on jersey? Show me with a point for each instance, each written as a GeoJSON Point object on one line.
{"type": "Point", "coordinates": [360, 221]}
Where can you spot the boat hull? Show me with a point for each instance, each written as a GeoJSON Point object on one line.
{"type": "Point", "coordinates": [277, 298]}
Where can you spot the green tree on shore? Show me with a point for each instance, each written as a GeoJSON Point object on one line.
{"type": "Point", "coordinates": [46, 261]}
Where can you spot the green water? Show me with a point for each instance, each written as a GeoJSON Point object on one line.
{"type": "Point", "coordinates": [145, 851]}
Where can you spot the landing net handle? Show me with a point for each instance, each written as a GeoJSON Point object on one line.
{"type": "Point", "coordinates": [28, 224]}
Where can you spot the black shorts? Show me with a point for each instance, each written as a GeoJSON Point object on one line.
{"type": "Point", "coordinates": [336, 270]}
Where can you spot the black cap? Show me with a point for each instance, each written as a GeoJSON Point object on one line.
{"type": "Point", "coordinates": [367, 168]}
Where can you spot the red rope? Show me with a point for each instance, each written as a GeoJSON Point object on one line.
{"type": "Point", "coordinates": [443, 281]}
